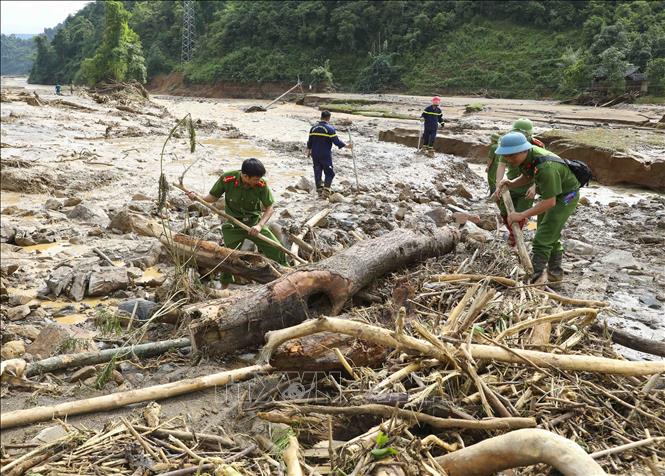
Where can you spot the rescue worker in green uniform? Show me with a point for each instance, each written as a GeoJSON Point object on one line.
{"type": "Point", "coordinates": [522, 196]}
{"type": "Point", "coordinates": [492, 162]}
{"type": "Point", "coordinates": [559, 192]}
{"type": "Point", "coordinates": [245, 194]}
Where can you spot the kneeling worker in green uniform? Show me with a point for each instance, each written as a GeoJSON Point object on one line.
{"type": "Point", "coordinates": [245, 193]}
{"type": "Point", "coordinates": [559, 192]}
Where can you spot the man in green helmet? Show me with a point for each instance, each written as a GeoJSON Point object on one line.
{"type": "Point", "coordinates": [559, 192]}
{"type": "Point", "coordinates": [248, 198]}
{"type": "Point", "coordinates": [522, 196]}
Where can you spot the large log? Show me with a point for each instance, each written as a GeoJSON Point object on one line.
{"type": "Point", "coordinates": [206, 254]}
{"type": "Point", "coordinates": [241, 320]}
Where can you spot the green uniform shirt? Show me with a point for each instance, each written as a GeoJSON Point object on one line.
{"type": "Point", "coordinates": [552, 178]}
{"type": "Point", "coordinates": [242, 202]}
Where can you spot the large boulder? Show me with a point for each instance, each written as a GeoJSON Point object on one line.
{"type": "Point", "coordinates": [90, 214]}
{"type": "Point", "coordinates": [61, 339]}
{"type": "Point", "coordinates": [107, 280]}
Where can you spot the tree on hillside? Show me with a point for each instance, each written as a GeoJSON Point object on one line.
{"type": "Point", "coordinates": [120, 55]}
{"type": "Point", "coordinates": [44, 62]}
{"type": "Point", "coordinates": [656, 76]}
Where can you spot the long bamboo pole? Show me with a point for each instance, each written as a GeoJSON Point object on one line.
{"type": "Point", "coordinates": [66, 361]}
{"type": "Point", "coordinates": [240, 224]}
{"type": "Point", "coordinates": [387, 338]}
{"type": "Point", "coordinates": [517, 233]}
{"type": "Point", "coordinates": [121, 399]}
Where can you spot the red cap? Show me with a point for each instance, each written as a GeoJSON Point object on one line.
{"type": "Point", "coordinates": [436, 99]}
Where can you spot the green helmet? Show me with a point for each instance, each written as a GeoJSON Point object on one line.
{"type": "Point", "coordinates": [523, 125]}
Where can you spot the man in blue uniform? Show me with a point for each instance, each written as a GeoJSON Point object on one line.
{"type": "Point", "coordinates": [319, 147]}
{"type": "Point", "coordinates": [433, 118]}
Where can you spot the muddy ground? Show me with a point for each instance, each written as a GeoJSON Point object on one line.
{"type": "Point", "coordinates": [68, 170]}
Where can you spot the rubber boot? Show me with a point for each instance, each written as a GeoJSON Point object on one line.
{"type": "Point", "coordinates": [319, 191]}
{"type": "Point", "coordinates": [325, 192]}
{"type": "Point", "coordinates": [539, 263]}
{"type": "Point", "coordinates": [554, 269]}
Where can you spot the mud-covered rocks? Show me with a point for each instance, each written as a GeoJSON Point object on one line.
{"type": "Point", "coordinates": [89, 214]}
{"type": "Point", "coordinates": [471, 231]}
{"type": "Point", "coordinates": [12, 349]}
{"type": "Point", "coordinates": [439, 215]}
{"type": "Point", "coordinates": [144, 308]}
{"type": "Point", "coordinates": [60, 339]}
{"type": "Point", "coordinates": [578, 247]}
{"type": "Point", "coordinates": [107, 280]}
{"type": "Point", "coordinates": [304, 184]}
{"type": "Point", "coordinates": [59, 279]}
{"type": "Point", "coordinates": [17, 313]}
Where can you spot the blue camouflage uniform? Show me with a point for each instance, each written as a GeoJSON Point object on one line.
{"type": "Point", "coordinates": [433, 117]}
{"type": "Point", "coordinates": [321, 139]}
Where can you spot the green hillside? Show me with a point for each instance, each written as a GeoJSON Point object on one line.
{"type": "Point", "coordinates": [17, 54]}
{"type": "Point", "coordinates": [505, 48]}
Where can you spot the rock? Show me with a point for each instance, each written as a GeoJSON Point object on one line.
{"type": "Point", "coordinates": [621, 259]}
{"type": "Point", "coordinates": [12, 349]}
{"type": "Point", "coordinates": [463, 192]}
{"type": "Point", "coordinates": [471, 231]}
{"type": "Point", "coordinates": [23, 237]}
{"type": "Point", "coordinates": [139, 197]}
{"type": "Point", "coordinates": [579, 247]}
{"type": "Point", "coordinates": [304, 184]}
{"type": "Point", "coordinates": [121, 221]}
{"type": "Point", "coordinates": [53, 204]}
{"type": "Point", "coordinates": [487, 221]}
{"type": "Point", "coordinates": [17, 313]}
{"type": "Point", "coordinates": [462, 218]}
{"type": "Point", "coordinates": [18, 300]}
{"type": "Point", "coordinates": [651, 239]}
{"type": "Point", "coordinates": [49, 435]}
{"type": "Point", "coordinates": [439, 215]}
{"type": "Point", "coordinates": [336, 198]}
{"type": "Point", "coordinates": [71, 202]}
{"type": "Point", "coordinates": [77, 291]}
{"type": "Point", "coordinates": [90, 214]}
{"type": "Point", "coordinates": [60, 339]}
{"type": "Point", "coordinates": [400, 213]}
{"type": "Point", "coordinates": [7, 233]}
{"type": "Point", "coordinates": [96, 231]}
{"type": "Point", "coordinates": [584, 201]}
{"type": "Point", "coordinates": [144, 309]}
{"type": "Point", "coordinates": [105, 282]}
{"type": "Point", "coordinates": [117, 377]}
{"type": "Point", "coordinates": [82, 374]}
{"type": "Point", "coordinates": [59, 279]}
{"type": "Point", "coordinates": [650, 301]}
{"type": "Point", "coordinates": [22, 330]}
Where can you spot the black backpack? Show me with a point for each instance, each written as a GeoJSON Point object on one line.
{"type": "Point", "coordinates": [582, 172]}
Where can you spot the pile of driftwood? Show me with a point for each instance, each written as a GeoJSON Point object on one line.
{"type": "Point", "coordinates": [449, 368]}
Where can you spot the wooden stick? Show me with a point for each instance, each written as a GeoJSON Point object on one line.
{"type": "Point", "coordinates": [67, 361]}
{"type": "Point", "coordinates": [311, 222]}
{"type": "Point", "coordinates": [517, 233]}
{"type": "Point", "coordinates": [121, 399]}
{"type": "Point", "coordinates": [345, 363]}
{"type": "Point", "coordinates": [386, 338]}
{"type": "Point", "coordinates": [290, 456]}
{"type": "Point", "coordinates": [511, 283]}
{"type": "Point", "coordinates": [185, 435]}
{"type": "Point", "coordinates": [629, 340]}
{"type": "Point", "coordinates": [241, 225]}
{"type": "Point", "coordinates": [387, 411]}
{"type": "Point", "coordinates": [103, 256]}
{"type": "Point", "coordinates": [627, 446]}
{"type": "Point", "coordinates": [353, 157]}
{"type": "Point", "coordinates": [561, 316]}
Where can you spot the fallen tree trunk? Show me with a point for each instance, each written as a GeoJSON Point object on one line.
{"type": "Point", "coordinates": [629, 340]}
{"type": "Point", "coordinates": [206, 254]}
{"type": "Point", "coordinates": [388, 338]}
{"type": "Point", "coordinates": [121, 399]}
{"type": "Point", "coordinates": [521, 448]}
{"type": "Point", "coordinates": [82, 359]}
{"type": "Point", "coordinates": [241, 320]}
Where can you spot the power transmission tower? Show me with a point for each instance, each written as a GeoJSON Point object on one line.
{"type": "Point", "coordinates": [188, 30]}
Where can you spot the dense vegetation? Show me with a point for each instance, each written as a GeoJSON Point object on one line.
{"type": "Point", "coordinates": [510, 48]}
{"type": "Point", "coordinates": [16, 54]}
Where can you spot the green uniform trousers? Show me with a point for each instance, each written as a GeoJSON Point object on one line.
{"type": "Point", "coordinates": [234, 236]}
{"type": "Point", "coordinates": [491, 175]}
{"type": "Point", "coordinates": [550, 225]}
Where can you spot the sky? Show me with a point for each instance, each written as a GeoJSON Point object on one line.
{"type": "Point", "coordinates": [19, 16]}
